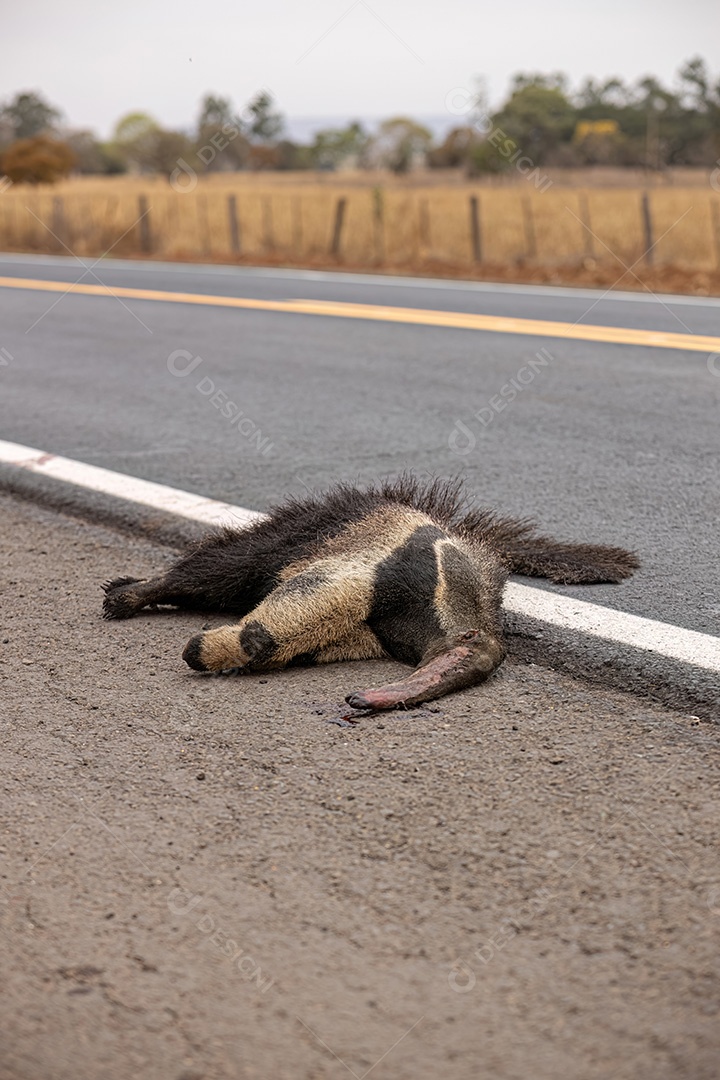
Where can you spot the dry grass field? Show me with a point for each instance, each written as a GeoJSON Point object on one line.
{"type": "Point", "coordinates": [427, 223]}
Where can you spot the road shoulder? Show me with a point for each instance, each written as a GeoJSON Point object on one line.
{"type": "Point", "coordinates": [205, 878]}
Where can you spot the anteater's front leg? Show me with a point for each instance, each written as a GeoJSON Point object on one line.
{"type": "Point", "coordinates": [126, 596]}
{"type": "Point", "coordinates": [324, 605]}
{"type": "Point", "coordinates": [215, 575]}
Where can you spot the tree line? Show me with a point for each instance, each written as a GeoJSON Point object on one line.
{"type": "Point", "coordinates": [607, 122]}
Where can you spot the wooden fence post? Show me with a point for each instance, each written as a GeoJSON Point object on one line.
{"type": "Point", "coordinates": [378, 224]}
{"type": "Point", "coordinates": [529, 226]}
{"type": "Point", "coordinates": [337, 228]}
{"type": "Point", "coordinates": [202, 216]}
{"type": "Point", "coordinates": [587, 226]}
{"type": "Point", "coordinates": [268, 234]}
{"type": "Point", "coordinates": [173, 217]}
{"type": "Point", "coordinates": [647, 229]}
{"type": "Point", "coordinates": [58, 222]}
{"type": "Point", "coordinates": [715, 215]}
{"type": "Point", "coordinates": [144, 223]}
{"type": "Point", "coordinates": [10, 223]}
{"type": "Point", "coordinates": [424, 227]}
{"type": "Point", "coordinates": [475, 228]}
{"type": "Point", "coordinates": [233, 223]}
{"type": "Point", "coordinates": [297, 229]}
{"type": "Point", "coordinates": [4, 228]}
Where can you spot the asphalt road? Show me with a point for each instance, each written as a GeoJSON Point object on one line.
{"type": "Point", "coordinates": [608, 442]}
{"type": "Point", "coordinates": [204, 879]}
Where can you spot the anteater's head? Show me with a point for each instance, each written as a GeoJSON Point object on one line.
{"type": "Point", "coordinates": [459, 661]}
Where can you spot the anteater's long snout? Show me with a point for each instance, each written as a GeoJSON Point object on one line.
{"type": "Point", "coordinates": [469, 660]}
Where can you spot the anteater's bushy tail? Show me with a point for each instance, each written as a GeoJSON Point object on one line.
{"type": "Point", "coordinates": [524, 552]}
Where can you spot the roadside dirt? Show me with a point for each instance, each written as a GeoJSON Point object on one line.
{"type": "Point", "coordinates": [587, 273]}
{"type": "Point", "coordinates": [204, 878]}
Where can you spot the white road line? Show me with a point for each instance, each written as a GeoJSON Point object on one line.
{"type": "Point", "coordinates": [381, 280]}
{"type": "Point", "coordinates": [565, 612]}
{"type": "Point", "coordinates": [122, 486]}
{"type": "Point", "coordinates": [666, 639]}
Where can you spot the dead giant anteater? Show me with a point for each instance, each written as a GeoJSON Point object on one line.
{"type": "Point", "coordinates": [401, 570]}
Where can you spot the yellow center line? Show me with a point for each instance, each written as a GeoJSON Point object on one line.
{"type": "Point", "coordinates": [496, 324]}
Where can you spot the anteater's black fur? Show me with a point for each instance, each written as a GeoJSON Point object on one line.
{"type": "Point", "coordinates": [235, 570]}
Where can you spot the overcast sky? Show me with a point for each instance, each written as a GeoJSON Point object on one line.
{"type": "Point", "coordinates": [98, 60]}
